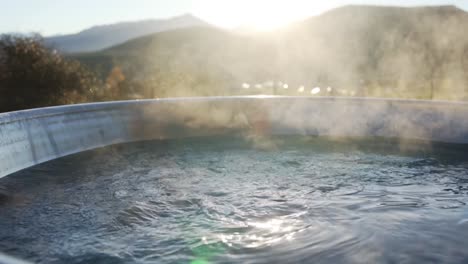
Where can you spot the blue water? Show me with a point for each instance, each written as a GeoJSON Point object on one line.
{"type": "Point", "coordinates": [228, 200]}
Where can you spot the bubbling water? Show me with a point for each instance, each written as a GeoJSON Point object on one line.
{"type": "Point", "coordinates": [222, 200]}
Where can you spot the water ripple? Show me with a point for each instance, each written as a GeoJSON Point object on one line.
{"type": "Point", "coordinates": [224, 201]}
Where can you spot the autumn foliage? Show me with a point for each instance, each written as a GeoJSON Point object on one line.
{"type": "Point", "coordinates": [32, 75]}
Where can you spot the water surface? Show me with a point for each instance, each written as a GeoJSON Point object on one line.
{"type": "Point", "coordinates": [228, 200]}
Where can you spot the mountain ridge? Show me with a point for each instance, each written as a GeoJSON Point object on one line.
{"type": "Point", "coordinates": [103, 36]}
{"type": "Point", "coordinates": [416, 52]}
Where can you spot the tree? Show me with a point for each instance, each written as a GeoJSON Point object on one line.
{"type": "Point", "coordinates": [32, 75]}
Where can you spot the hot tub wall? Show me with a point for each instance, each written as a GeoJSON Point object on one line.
{"type": "Point", "coordinates": [34, 136]}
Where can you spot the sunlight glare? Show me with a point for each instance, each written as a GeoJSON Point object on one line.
{"type": "Point", "coordinates": [315, 90]}
{"type": "Point", "coordinates": [260, 15]}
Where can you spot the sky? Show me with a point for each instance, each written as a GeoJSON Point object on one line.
{"type": "Point", "coordinates": [51, 17]}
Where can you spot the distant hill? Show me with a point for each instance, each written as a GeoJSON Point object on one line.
{"type": "Point", "coordinates": [419, 52]}
{"type": "Point", "coordinates": [100, 37]}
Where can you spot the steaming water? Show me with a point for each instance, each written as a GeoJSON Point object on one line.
{"type": "Point", "coordinates": [226, 200]}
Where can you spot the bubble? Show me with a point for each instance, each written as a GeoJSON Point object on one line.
{"type": "Point", "coordinates": [121, 194]}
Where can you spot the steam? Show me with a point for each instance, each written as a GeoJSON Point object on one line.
{"type": "Point", "coordinates": [417, 53]}
{"type": "Point", "coordinates": [259, 119]}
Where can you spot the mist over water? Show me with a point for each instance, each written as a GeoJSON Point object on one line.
{"type": "Point", "coordinates": [366, 51]}
{"type": "Point", "coordinates": [224, 200]}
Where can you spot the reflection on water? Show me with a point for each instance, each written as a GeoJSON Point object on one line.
{"type": "Point", "coordinates": [223, 201]}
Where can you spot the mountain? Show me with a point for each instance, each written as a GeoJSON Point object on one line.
{"type": "Point", "coordinates": [100, 37]}
{"type": "Point", "coordinates": [419, 52]}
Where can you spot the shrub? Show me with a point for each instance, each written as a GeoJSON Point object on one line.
{"type": "Point", "coordinates": [32, 75]}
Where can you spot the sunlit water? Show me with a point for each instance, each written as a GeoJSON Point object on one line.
{"type": "Point", "coordinates": [225, 200]}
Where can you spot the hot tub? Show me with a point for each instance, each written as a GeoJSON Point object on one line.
{"type": "Point", "coordinates": [236, 179]}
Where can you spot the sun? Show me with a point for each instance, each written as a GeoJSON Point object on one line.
{"type": "Point", "coordinates": [259, 15]}
{"type": "Point", "coordinates": [263, 15]}
{"type": "Point", "coordinates": [267, 22]}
